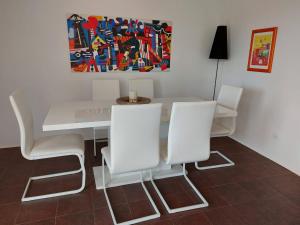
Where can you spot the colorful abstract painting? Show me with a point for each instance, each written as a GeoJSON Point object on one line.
{"type": "Point", "coordinates": [107, 44]}
{"type": "Point", "coordinates": [262, 49]}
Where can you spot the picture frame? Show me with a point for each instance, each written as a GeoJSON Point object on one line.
{"type": "Point", "coordinates": [101, 44]}
{"type": "Point", "coordinates": [262, 47]}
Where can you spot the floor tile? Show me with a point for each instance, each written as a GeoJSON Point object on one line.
{"type": "Point", "coordinates": [234, 193]}
{"type": "Point", "coordinates": [200, 179]}
{"type": "Point", "coordinates": [251, 213]}
{"type": "Point", "coordinates": [42, 222]}
{"type": "Point", "coordinates": [98, 199]}
{"type": "Point", "coordinates": [102, 216]}
{"type": "Point", "coordinates": [260, 189]}
{"type": "Point", "coordinates": [256, 191]}
{"type": "Point", "coordinates": [222, 176]}
{"type": "Point", "coordinates": [134, 192]}
{"type": "Point", "coordinates": [16, 176]}
{"type": "Point", "coordinates": [240, 159]}
{"type": "Point", "coordinates": [45, 186]}
{"type": "Point", "coordinates": [8, 213]}
{"type": "Point", "coordinates": [213, 198]}
{"type": "Point", "coordinates": [11, 194]}
{"type": "Point", "coordinates": [287, 185]}
{"type": "Point", "coordinates": [37, 210]}
{"type": "Point", "coordinates": [2, 170]}
{"type": "Point", "coordinates": [280, 211]}
{"type": "Point", "coordinates": [169, 185]}
{"type": "Point", "coordinates": [116, 195]}
{"type": "Point", "coordinates": [74, 204]}
{"type": "Point", "coordinates": [86, 218]}
{"type": "Point", "coordinates": [55, 165]}
{"type": "Point", "coordinates": [195, 219]}
{"type": "Point", "coordinates": [180, 200]}
{"type": "Point", "coordinates": [274, 168]}
{"type": "Point", "coordinates": [122, 212]}
{"type": "Point", "coordinates": [224, 216]}
{"type": "Point", "coordinates": [158, 221]}
{"type": "Point", "coordinates": [141, 208]}
{"type": "Point", "coordinates": [74, 181]}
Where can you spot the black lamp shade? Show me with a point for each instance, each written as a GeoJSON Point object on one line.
{"type": "Point", "coordinates": [219, 46]}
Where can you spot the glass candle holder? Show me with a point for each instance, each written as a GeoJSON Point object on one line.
{"type": "Point", "coordinates": [132, 96]}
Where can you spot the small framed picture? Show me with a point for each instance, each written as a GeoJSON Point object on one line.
{"type": "Point", "coordinates": [262, 48]}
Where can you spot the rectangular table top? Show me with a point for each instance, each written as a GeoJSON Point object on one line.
{"type": "Point", "coordinates": [89, 114]}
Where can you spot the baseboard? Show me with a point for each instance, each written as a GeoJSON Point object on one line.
{"type": "Point", "coordinates": [7, 147]}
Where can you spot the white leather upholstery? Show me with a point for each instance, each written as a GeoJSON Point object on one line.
{"type": "Point", "coordinates": [134, 146]}
{"type": "Point", "coordinates": [188, 141]}
{"type": "Point", "coordinates": [47, 147]}
{"type": "Point", "coordinates": [219, 130]}
{"type": "Point", "coordinates": [25, 121]}
{"type": "Point", "coordinates": [134, 137]}
{"type": "Point", "coordinates": [106, 89]}
{"type": "Point", "coordinates": [230, 96]}
{"type": "Point", "coordinates": [58, 145]}
{"type": "Point", "coordinates": [50, 146]}
{"type": "Point", "coordinates": [189, 131]}
{"type": "Point", "coordinates": [143, 87]}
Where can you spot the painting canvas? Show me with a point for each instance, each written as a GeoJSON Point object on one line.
{"type": "Point", "coordinates": [112, 44]}
{"type": "Point", "coordinates": [262, 50]}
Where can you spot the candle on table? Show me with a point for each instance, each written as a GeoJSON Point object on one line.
{"type": "Point", "coordinates": [132, 95]}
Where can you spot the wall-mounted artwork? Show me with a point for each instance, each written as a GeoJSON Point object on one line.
{"type": "Point", "coordinates": [262, 50]}
{"type": "Point", "coordinates": [108, 44]}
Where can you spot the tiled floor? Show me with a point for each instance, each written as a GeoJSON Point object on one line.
{"type": "Point", "coordinates": [255, 191]}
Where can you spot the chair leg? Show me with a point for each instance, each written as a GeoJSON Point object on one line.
{"type": "Point", "coordinates": [95, 149]}
{"type": "Point", "coordinates": [133, 221]}
{"type": "Point", "coordinates": [101, 140]}
{"type": "Point", "coordinates": [229, 162]}
{"type": "Point", "coordinates": [185, 208]}
{"type": "Point", "coordinates": [82, 169]}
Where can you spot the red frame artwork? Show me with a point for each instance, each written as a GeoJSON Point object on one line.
{"type": "Point", "coordinates": [262, 49]}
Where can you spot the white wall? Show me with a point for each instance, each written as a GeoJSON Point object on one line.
{"type": "Point", "coordinates": [34, 57]}
{"type": "Point", "coordinates": [269, 112]}
{"type": "Point", "coordinates": [34, 52]}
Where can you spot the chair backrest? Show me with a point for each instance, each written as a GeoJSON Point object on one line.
{"type": "Point", "coordinates": [189, 131]}
{"type": "Point", "coordinates": [106, 89]}
{"type": "Point", "coordinates": [25, 121]}
{"type": "Point", "coordinates": [134, 140]}
{"type": "Point", "coordinates": [143, 87]}
{"type": "Point", "coordinates": [230, 96]}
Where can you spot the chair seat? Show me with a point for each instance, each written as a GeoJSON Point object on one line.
{"type": "Point", "coordinates": [106, 154]}
{"type": "Point", "coordinates": [58, 145]}
{"type": "Point", "coordinates": [219, 130]}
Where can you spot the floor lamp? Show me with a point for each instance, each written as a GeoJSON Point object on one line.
{"type": "Point", "coordinates": [219, 50]}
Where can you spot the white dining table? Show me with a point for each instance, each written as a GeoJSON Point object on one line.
{"type": "Point", "coordinates": [89, 114]}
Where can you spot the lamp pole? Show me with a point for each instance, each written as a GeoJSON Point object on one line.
{"type": "Point", "coordinates": [216, 77]}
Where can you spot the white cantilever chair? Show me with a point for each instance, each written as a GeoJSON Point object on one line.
{"type": "Point", "coordinates": [143, 87]}
{"type": "Point", "coordinates": [104, 90]}
{"type": "Point", "coordinates": [229, 97]}
{"type": "Point", "coordinates": [134, 146]}
{"type": "Point", "coordinates": [46, 147]}
{"type": "Point", "coordinates": [188, 141]}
